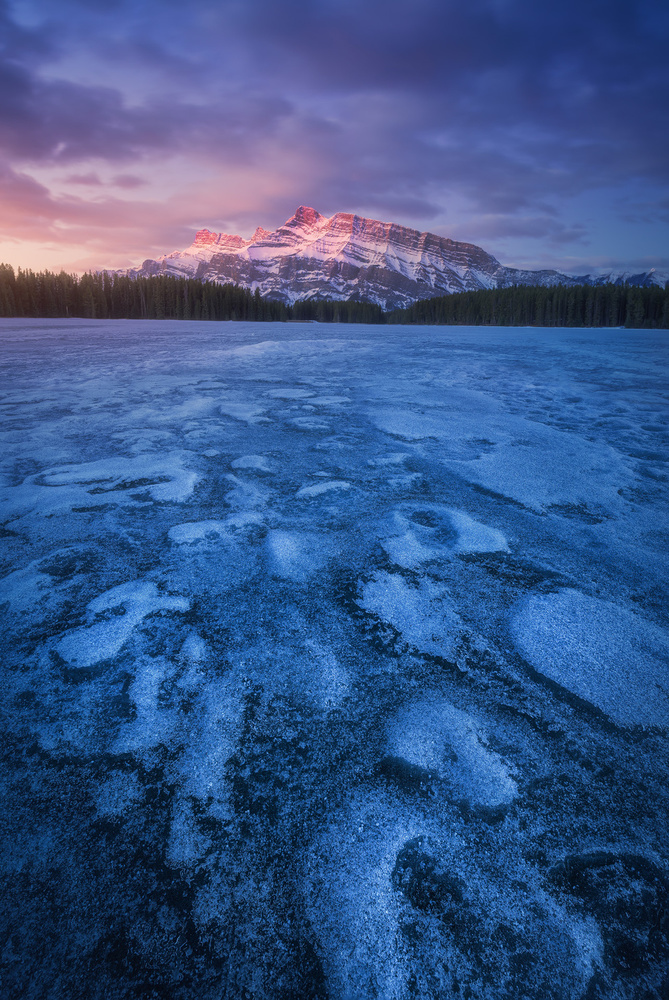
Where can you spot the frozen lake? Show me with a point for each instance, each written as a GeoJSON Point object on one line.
{"type": "Point", "coordinates": [335, 662]}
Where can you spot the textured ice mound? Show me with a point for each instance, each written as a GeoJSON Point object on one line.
{"type": "Point", "coordinates": [102, 639]}
{"type": "Point", "coordinates": [317, 489]}
{"type": "Point", "coordinates": [612, 658]}
{"type": "Point", "coordinates": [422, 615]}
{"type": "Point", "coordinates": [442, 739]}
{"type": "Point", "coordinates": [163, 477]}
{"type": "Point", "coordinates": [434, 531]}
{"type": "Point", "coordinates": [474, 536]}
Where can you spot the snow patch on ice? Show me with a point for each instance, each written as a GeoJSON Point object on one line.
{"type": "Point", "coordinates": [153, 723]}
{"type": "Point", "coordinates": [438, 737]}
{"type": "Point", "coordinates": [195, 531]}
{"type": "Point", "coordinates": [247, 413]}
{"type": "Point", "coordinates": [578, 471]}
{"type": "Point", "coordinates": [194, 648]}
{"type": "Point", "coordinates": [602, 653]}
{"type": "Point", "coordinates": [329, 400]}
{"type": "Point", "coordinates": [295, 555]}
{"type": "Point", "coordinates": [186, 844]}
{"type": "Point", "coordinates": [257, 462]}
{"type": "Point", "coordinates": [413, 543]}
{"type": "Point", "coordinates": [24, 587]}
{"type": "Point", "coordinates": [171, 481]}
{"type": "Point", "coordinates": [331, 680]}
{"type": "Point", "coordinates": [352, 905]}
{"type": "Point", "coordinates": [408, 425]}
{"type": "Point", "coordinates": [309, 424]}
{"type": "Point", "coordinates": [290, 393]}
{"type": "Point", "coordinates": [407, 551]}
{"type": "Point", "coordinates": [423, 615]}
{"type": "Point", "coordinates": [394, 458]}
{"type": "Point", "coordinates": [476, 537]}
{"type": "Point", "coordinates": [101, 640]}
{"type": "Point", "coordinates": [317, 489]}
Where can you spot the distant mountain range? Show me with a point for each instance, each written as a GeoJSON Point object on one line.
{"type": "Point", "coordinates": [351, 257]}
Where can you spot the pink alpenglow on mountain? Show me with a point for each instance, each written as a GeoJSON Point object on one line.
{"type": "Point", "coordinates": [350, 257]}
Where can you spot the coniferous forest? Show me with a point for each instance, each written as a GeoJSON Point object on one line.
{"type": "Point", "coordinates": [533, 305]}
{"type": "Point", "coordinates": [106, 295]}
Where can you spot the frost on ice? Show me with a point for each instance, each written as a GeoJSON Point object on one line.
{"type": "Point", "coordinates": [334, 664]}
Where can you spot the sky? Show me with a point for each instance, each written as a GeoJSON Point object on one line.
{"type": "Point", "coordinates": [537, 130]}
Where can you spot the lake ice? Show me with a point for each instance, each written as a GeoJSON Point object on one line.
{"type": "Point", "coordinates": [335, 662]}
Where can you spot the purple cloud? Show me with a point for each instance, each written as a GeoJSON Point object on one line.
{"type": "Point", "coordinates": [497, 114]}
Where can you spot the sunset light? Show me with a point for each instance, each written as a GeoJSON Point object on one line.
{"type": "Point", "coordinates": [334, 511]}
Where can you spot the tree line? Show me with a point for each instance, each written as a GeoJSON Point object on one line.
{"type": "Point", "coordinates": [106, 295]}
{"type": "Point", "coordinates": [533, 305]}
{"type": "Point", "coordinates": [117, 296]}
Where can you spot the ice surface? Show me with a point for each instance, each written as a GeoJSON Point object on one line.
{"type": "Point", "coordinates": [438, 737]}
{"type": "Point", "coordinates": [474, 536]}
{"type": "Point", "coordinates": [195, 531]}
{"type": "Point", "coordinates": [601, 652]}
{"type": "Point", "coordinates": [334, 661]}
{"type": "Point", "coordinates": [132, 602]}
{"type": "Point", "coordinates": [257, 462]}
{"type": "Point", "coordinates": [423, 615]}
{"type": "Point", "coordinates": [316, 489]}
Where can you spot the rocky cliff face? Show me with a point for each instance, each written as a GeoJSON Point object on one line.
{"type": "Point", "coordinates": [350, 257]}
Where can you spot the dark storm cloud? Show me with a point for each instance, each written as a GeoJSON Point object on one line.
{"type": "Point", "coordinates": [509, 107]}
{"type": "Point", "coordinates": [61, 121]}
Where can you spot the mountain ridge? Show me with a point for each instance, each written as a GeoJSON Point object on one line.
{"type": "Point", "coordinates": [347, 256]}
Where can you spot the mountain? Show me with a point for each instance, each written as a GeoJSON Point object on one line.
{"type": "Point", "coordinates": [351, 257]}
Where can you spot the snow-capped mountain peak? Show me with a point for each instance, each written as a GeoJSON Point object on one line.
{"type": "Point", "coordinates": [347, 256]}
